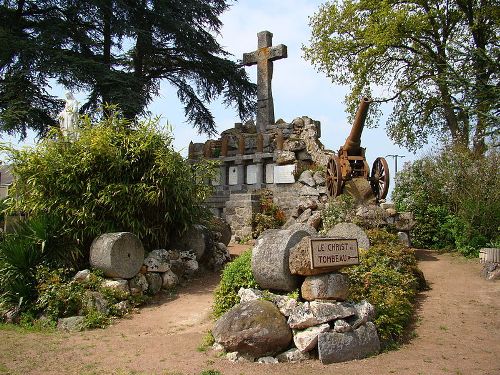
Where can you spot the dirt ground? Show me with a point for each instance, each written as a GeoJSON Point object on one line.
{"type": "Point", "coordinates": [457, 331]}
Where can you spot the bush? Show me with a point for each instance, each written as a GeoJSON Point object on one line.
{"type": "Point", "coordinates": [269, 217]}
{"type": "Point", "coordinates": [236, 274]}
{"type": "Point", "coordinates": [32, 244]}
{"type": "Point", "coordinates": [388, 278]}
{"type": "Point", "coordinates": [455, 197]}
{"type": "Point", "coordinates": [116, 176]}
{"type": "Point", "coordinates": [338, 210]}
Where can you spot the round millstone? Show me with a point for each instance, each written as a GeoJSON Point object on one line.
{"type": "Point", "coordinates": [118, 255]}
{"type": "Point", "coordinates": [270, 258]}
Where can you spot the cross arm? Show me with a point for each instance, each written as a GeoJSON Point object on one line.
{"type": "Point", "coordinates": [278, 52]}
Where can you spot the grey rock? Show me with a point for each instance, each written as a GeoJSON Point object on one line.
{"type": "Point", "coordinates": [285, 157]}
{"type": "Point", "coordinates": [270, 259]}
{"type": "Point", "coordinates": [405, 221]}
{"type": "Point", "coordinates": [350, 230]}
{"type": "Point", "coordinates": [315, 220]}
{"type": "Point", "coordinates": [158, 261]}
{"type": "Point", "coordinates": [220, 257]}
{"type": "Point", "coordinates": [256, 328]}
{"type": "Point", "coordinates": [118, 255]}
{"type": "Point", "coordinates": [303, 155]}
{"type": "Point", "coordinates": [306, 178]}
{"type": "Point", "coordinates": [365, 312]}
{"type": "Point", "coordinates": [310, 314]}
{"type": "Point", "coordinates": [293, 355]}
{"type": "Point", "coordinates": [267, 360]}
{"type": "Point", "coordinates": [192, 266]}
{"type": "Point", "coordinates": [341, 326]}
{"type": "Point", "coordinates": [285, 304]}
{"type": "Point", "coordinates": [372, 215]}
{"type": "Point", "coordinates": [319, 178]}
{"type": "Point", "coordinates": [196, 239]}
{"type": "Point", "coordinates": [223, 227]}
{"type": "Point", "coordinates": [71, 324]}
{"type": "Point", "coordinates": [289, 223]}
{"type": "Point", "coordinates": [404, 238]}
{"type": "Point", "coordinates": [360, 189]}
{"type": "Point", "coordinates": [300, 226]}
{"type": "Point", "coordinates": [331, 286]}
{"type": "Point", "coordinates": [322, 190]}
{"type": "Point", "coordinates": [294, 145]}
{"type": "Point", "coordinates": [249, 294]}
{"type": "Point", "coordinates": [299, 260]}
{"type": "Point", "coordinates": [119, 284]}
{"type": "Point", "coordinates": [170, 280]}
{"type": "Point", "coordinates": [307, 339]}
{"type": "Point", "coordinates": [386, 205]}
{"type": "Point", "coordinates": [138, 282]}
{"type": "Point", "coordinates": [304, 216]}
{"type": "Point", "coordinates": [239, 357]}
{"type": "Point", "coordinates": [82, 275]}
{"type": "Point", "coordinates": [336, 347]}
{"type": "Point", "coordinates": [217, 347]}
{"type": "Point", "coordinates": [96, 301]}
{"type": "Point", "coordinates": [308, 191]}
{"type": "Point", "coordinates": [155, 282]}
{"type": "Point", "coordinates": [308, 203]}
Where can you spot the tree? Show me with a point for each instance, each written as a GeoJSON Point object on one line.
{"type": "Point", "coordinates": [118, 50]}
{"type": "Point", "coordinates": [437, 59]}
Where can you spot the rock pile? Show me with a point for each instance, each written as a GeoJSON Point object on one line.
{"type": "Point", "coordinates": [491, 259]}
{"type": "Point", "coordinates": [264, 326]}
{"type": "Point", "coordinates": [120, 256]}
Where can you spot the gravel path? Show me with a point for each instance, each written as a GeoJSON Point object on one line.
{"type": "Point", "coordinates": [457, 331]}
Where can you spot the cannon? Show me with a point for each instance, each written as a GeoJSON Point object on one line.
{"type": "Point", "coordinates": [350, 161]}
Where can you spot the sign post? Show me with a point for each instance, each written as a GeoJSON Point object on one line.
{"type": "Point", "coordinates": [332, 252]}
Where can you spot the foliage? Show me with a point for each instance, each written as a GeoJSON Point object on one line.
{"type": "Point", "coordinates": [270, 215]}
{"type": "Point", "coordinates": [32, 244]}
{"type": "Point", "coordinates": [119, 52]}
{"type": "Point", "coordinates": [116, 176]}
{"type": "Point", "coordinates": [388, 278]}
{"type": "Point", "coordinates": [455, 197]}
{"type": "Point", "coordinates": [438, 60]}
{"type": "Point", "coordinates": [236, 274]}
{"type": "Point", "coordinates": [338, 210]}
{"type": "Point", "coordinates": [207, 342]}
{"type": "Point", "coordinates": [210, 372]}
{"type": "Point", "coordinates": [60, 296]}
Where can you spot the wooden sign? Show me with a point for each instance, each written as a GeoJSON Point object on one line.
{"type": "Point", "coordinates": [330, 252]}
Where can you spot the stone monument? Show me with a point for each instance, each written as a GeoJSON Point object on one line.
{"type": "Point", "coordinates": [264, 57]}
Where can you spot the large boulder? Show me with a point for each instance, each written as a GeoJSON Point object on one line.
{"type": "Point", "coordinates": [331, 286]}
{"type": "Point", "coordinates": [118, 255]}
{"type": "Point", "coordinates": [340, 347]}
{"type": "Point", "coordinates": [221, 226]}
{"type": "Point", "coordinates": [350, 230]}
{"type": "Point", "coordinates": [256, 328]}
{"type": "Point", "coordinates": [270, 259]}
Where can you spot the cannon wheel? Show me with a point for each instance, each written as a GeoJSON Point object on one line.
{"type": "Point", "coordinates": [333, 177]}
{"type": "Point", "coordinates": [380, 178]}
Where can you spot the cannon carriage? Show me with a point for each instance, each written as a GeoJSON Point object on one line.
{"type": "Point", "coordinates": [350, 161]}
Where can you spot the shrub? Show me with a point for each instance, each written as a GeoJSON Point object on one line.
{"type": "Point", "coordinates": [338, 210]}
{"type": "Point", "coordinates": [455, 196]}
{"type": "Point", "coordinates": [269, 217]}
{"type": "Point", "coordinates": [236, 274]}
{"type": "Point", "coordinates": [116, 176]}
{"type": "Point", "coordinates": [32, 244]}
{"type": "Point", "coordinates": [388, 278]}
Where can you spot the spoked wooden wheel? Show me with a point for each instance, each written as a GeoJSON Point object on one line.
{"type": "Point", "coordinates": [380, 178]}
{"type": "Point", "coordinates": [333, 177]}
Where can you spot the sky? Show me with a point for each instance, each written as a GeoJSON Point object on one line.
{"type": "Point", "coordinates": [298, 89]}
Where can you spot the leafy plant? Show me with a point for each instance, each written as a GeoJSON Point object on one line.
{"type": "Point", "coordinates": [117, 176]}
{"type": "Point", "coordinates": [338, 210]}
{"type": "Point", "coordinates": [236, 274]}
{"type": "Point", "coordinates": [32, 244]}
{"type": "Point", "coordinates": [455, 198]}
{"type": "Point", "coordinates": [270, 215]}
{"type": "Point", "coordinates": [388, 278]}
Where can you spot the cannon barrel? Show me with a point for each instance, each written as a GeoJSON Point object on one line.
{"type": "Point", "coordinates": [352, 144]}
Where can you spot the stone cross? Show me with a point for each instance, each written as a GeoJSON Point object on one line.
{"type": "Point", "coordinates": [264, 57]}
